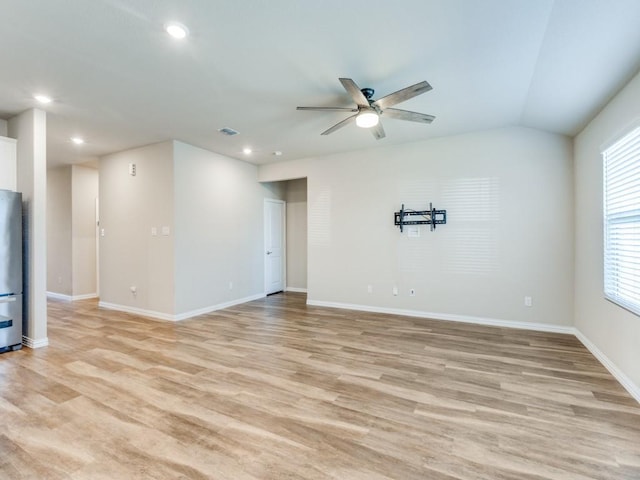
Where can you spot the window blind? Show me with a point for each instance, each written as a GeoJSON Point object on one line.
{"type": "Point", "coordinates": [622, 222]}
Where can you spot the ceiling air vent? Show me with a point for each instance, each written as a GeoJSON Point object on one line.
{"type": "Point", "coordinates": [228, 131]}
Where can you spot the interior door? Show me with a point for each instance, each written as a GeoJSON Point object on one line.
{"type": "Point", "coordinates": [274, 235]}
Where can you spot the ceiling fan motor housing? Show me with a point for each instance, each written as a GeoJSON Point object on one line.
{"type": "Point", "coordinates": [368, 93]}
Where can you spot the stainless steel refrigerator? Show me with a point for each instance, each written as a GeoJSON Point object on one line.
{"type": "Point", "coordinates": [10, 270]}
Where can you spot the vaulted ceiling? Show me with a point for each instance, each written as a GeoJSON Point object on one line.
{"type": "Point", "coordinates": [119, 81]}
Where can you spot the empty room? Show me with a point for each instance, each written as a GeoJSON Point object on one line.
{"type": "Point", "coordinates": [359, 240]}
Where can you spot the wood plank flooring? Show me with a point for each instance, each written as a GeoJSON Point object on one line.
{"type": "Point", "coordinates": [274, 389]}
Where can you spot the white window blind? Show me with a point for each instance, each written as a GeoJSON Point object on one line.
{"type": "Point", "coordinates": [622, 222]}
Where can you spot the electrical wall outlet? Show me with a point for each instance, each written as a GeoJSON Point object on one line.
{"type": "Point", "coordinates": [527, 301]}
{"type": "Point", "coordinates": [369, 288]}
{"type": "Point", "coordinates": [395, 291]}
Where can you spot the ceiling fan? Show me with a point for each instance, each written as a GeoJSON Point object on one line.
{"type": "Point", "coordinates": [368, 111]}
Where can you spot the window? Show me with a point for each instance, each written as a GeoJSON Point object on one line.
{"type": "Point", "coordinates": [622, 222]}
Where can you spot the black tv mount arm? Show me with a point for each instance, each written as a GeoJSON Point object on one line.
{"type": "Point", "coordinates": [431, 217]}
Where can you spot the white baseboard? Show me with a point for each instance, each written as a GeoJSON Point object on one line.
{"type": "Point", "coordinates": [220, 306]}
{"type": "Point", "coordinates": [625, 381]}
{"type": "Point", "coordinates": [85, 296]}
{"type": "Point", "coordinates": [540, 327]}
{"type": "Point", "coordinates": [181, 316]}
{"type": "Point", "coordinates": [59, 296]}
{"type": "Point", "coordinates": [71, 298]}
{"type": "Point", "coordinates": [31, 343]}
{"type": "Point", "coordinates": [136, 311]}
{"type": "Point", "coordinates": [295, 289]}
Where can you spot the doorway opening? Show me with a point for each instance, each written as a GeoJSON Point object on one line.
{"type": "Point", "coordinates": [293, 195]}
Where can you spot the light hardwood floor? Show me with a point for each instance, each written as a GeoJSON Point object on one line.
{"type": "Point", "coordinates": [274, 389]}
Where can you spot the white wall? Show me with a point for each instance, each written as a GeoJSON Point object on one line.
{"type": "Point", "coordinates": [508, 195]}
{"type": "Point", "coordinates": [8, 164]}
{"type": "Point", "coordinates": [59, 231]}
{"type": "Point", "coordinates": [296, 198]}
{"type": "Point", "coordinates": [613, 330]}
{"type": "Point", "coordinates": [130, 206]}
{"type": "Point", "coordinates": [219, 229]}
{"type": "Point", "coordinates": [30, 129]}
{"type": "Point", "coordinates": [213, 207]}
{"type": "Point", "coordinates": [83, 212]}
{"type": "Point", "coordinates": [71, 233]}
{"type": "Point", "coordinates": [3, 128]}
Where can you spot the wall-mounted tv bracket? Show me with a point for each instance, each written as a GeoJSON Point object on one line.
{"type": "Point", "coordinates": [431, 217]}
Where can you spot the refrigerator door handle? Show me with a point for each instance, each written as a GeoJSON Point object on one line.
{"type": "Point", "coordinates": [7, 299]}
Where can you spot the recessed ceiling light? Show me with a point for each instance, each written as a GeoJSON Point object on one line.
{"type": "Point", "coordinates": [176, 30]}
{"type": "Point", "coordinates": [247, 150]}
{"type": "Point", "coordinates": [42, 98]}
{"type": "Point", "coordinates": [77, 140]}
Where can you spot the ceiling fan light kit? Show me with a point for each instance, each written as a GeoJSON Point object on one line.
{"type": "Point", "coordinates": [368, 111]}
{"type": "Point", "coordinates": [367, 119]}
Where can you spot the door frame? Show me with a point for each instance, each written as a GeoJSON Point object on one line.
{"type": "Point", "coordinates": [97, 231]}
{"type": "Point", "coordinates": [283, 257]}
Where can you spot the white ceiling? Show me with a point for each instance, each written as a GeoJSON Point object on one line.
{"type": "Point", "coordinates": [120, 81]}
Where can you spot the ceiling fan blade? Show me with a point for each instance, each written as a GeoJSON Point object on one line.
{"type": "Point", "coordinates": [402, 95]}
{"type": "Point", "coordinates": [329, 109]}
{"type": "Point", "coordinates": [341, 124]}
{"type": "Point", "coordinates": [353, 90]}
{"type": "Point", "coordinates": [407, 115]}
{"type": "Point", "coordinates": [378, 131]}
